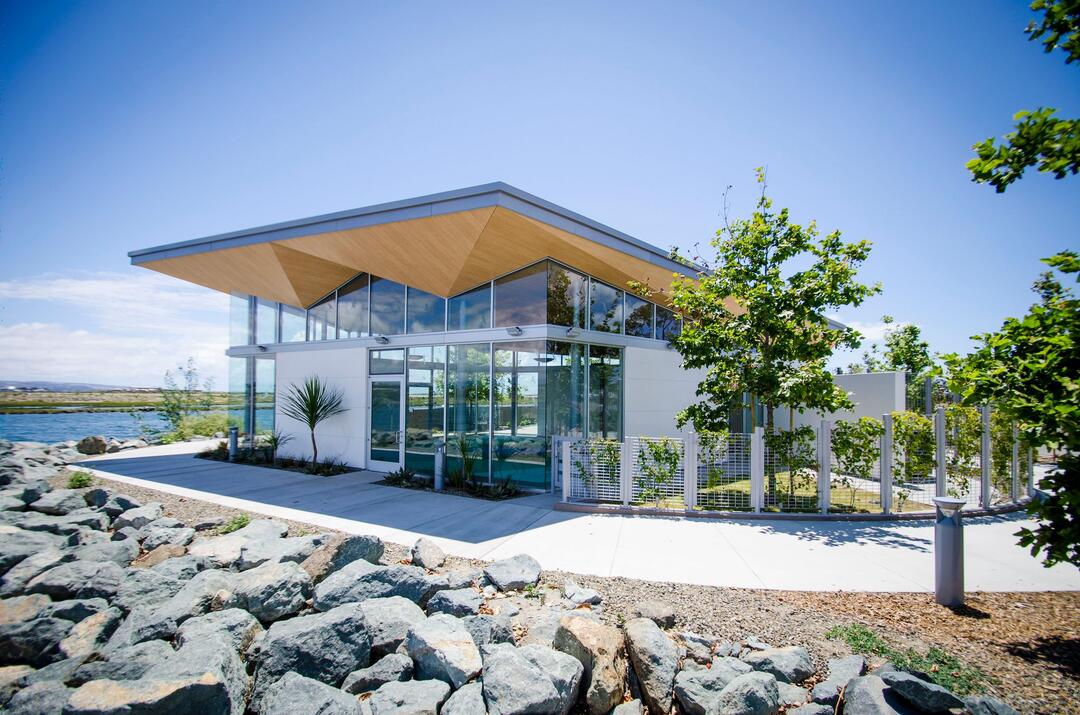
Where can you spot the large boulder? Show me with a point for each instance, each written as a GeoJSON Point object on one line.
{"type": "Point", "coordinates": [579, 595]}
{"type": "Point", "coordinates": [209, 660]}
{"type": "Point", "coordinates": [340, 551]}
{"type": "Point", "coordinates": [791, 664]}
{"type": "Point", "coordinates": [129, 663]}
{"type": "Point", "coordinates": [389, 668]}
{"type": "Point", "coordinates": [426, 554]}
{"type": "Point", "coordinates": [94, 444]}
{"type": "Point", "coordinates": [79, 579]}
{"type": "Point", "coordinates": [412, 697]}
{"type": "Point", "coordinates": [90, 633]}
{"type": "Point", "coordinates": [224, 551]}
{"type": "Point", "coordinates": [513, 684]}
{"type": "Point", "coordinates": [486, 629]}
{"type": "Point", "coordinates": [565, 672]}
{"type": "Point", "coordinates": [59, 501]}
{"type": "Point", "coordinates": [121, 553]}
{"type": "Point", "coordinates": [156, 536]}
{"type": "Point", "coordinates": [140, 516]}
{"type": "Point", "coordinates": [361, 580]}
{"type": "Point", "coordinates": [698, 691]}
{"type": "Point", "coordinates": [294, 694]}
{"type": "Point", "coordinates": [17, 544]}
{"type": "Point", "coordinates": [655, 660]}
{"type": "Point", "coordinates": [840, 671]}
{"type": "Point", "coordinates": [117, 504]}
{"type": "Point", "coordinates": [459, 602]}
{"type": "Point", "coordinates": [660, 612]}
{"type": "Point", "coordinates": [69, 524]}
{"type": "Point", "coordinates": [258, 552]}
{"type": "Point", "coordinates": [986, 705]}
{"type": "Point", "coordinates": [869, 695]}
{"type": "Point", "coordinates": [48, 696]}
{"type": "Point", "coordinates": [925, 696]}
{"type": "Point", "coordinates": [234, 626]}
{"type": "Point", "coordinates": [272, 591]}
{"type": "Point", "coordinates": [324, 646]}
{"type": "Point", "coordinates": [197, 596]}
{"type": "Point", "coordinates": [443, 649]}
{"type": "Point", "coordinates": [750, 694]}
{"type": "Point", "coordinates": [22, 608]}
{"type": "Point", "coordinates": [35, 642]}
{"type": "Point", "coordinates": [388, 622]}
{"type": "Point", "coordinates": [466, 700]}
{"type": "Point", "coordinates": [513, 573]}
{"type": "Point", "coordinates": [75, 609]}
{"type": "Point", "coordinates": [16, 578]}
{"type": "Point", "coordinates": [146, 587]}
{"type": "Point", "coordinates": [599, 649]}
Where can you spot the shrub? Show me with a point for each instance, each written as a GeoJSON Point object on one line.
{"type": "Point", "coordinates": [234, 524]}
{"type": "Point", "coordinates": [80, 480]}
{"type": "Point", "coordinates": [400, 478]}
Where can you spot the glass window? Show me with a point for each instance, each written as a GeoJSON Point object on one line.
{"type": "Point", "coordinates": [606, 308]}
{"type": "Point", "coordinates": [387, 307]}
{"type": "Point", "coordinates": [471, 310]}
{"type": "Point", "coordinates": [667, 324]}
{"type": "Point", "coordinates": [468, 383]}
{"type": "Point", "coordinates": [265, 321]}
{"type": "Point", "coordinates": [565, 390]}
{"type": "Point", "coordinates": [605, 392]}
{"type": "Point", "coordinates": [239, 404]}
{"type": "Point", "coordinates": [322, 319]}
{"type": "Point", "coordinates": [427, 312]}
{"type": "Point", "coordinates": [239, 319]}
{"type": "Point", "coordinates": [264, 395]}
{"type": "Point", "coordinates": [293, 322]}
{"type": "Point", "coordinates": [566, 296]}
{"type": "Point", "coordinates": [520, 298]}
{"type": "Point", "coordinates": [519, 450]}
{"type": "Point", "coordinates": [639, 317]}
{"type": "Point", "coordinates": [426, 408]}
{"type": "Point", "coordinates": [353, 308]}
{"type": "Point", "coordinates": [386, 362]}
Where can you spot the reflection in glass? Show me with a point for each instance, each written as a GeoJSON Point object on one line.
{"type": "Point", "coordinates": [606, 308]}
{"type": "Point", "coordinates": [386, 362]}
{"type": "Point", "coordinates": [468, 419]}
{"type": "Point", "coordinates": [292, 324]}
{"type": "Point", "coordinates": [264, 395]}
{"type": "Point", "coordinates": [427, 312]}
{"type": "Point", "coordinates": [239, 404]}
{"type": "Point", "coordinates": [565, 394]}
{"type": "Point", "coordinates": [605, 392]}
{"type": "Point", "coordinates": [639, 317]}
{"type": "Point", "coordinates": [521, 297]}
{"type": "Point", "coordinates": [322, 319]}
{"type": "Point", "coordinates": [239, 319]}
{"type": "Point", "coordinates": [353, 308]}
{"type": "Point", "coordinates": [265, 321]}
{"type": "Point", "coordinates": [519, 450]}
{"type": "Point", "coordinates": [471, 310]}
{"type": "Point", "coordinates": [566, 296]}
{"type": "Point", "coordinates": [387, 307]}
{"type": "Point", "coordinates": [386, 421]}
{"type": "Point", "coordinates": [667, 324]}
{"type": "Point", "coordinates": [426, 407]}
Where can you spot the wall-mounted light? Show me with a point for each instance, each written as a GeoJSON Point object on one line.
{"type": "Point", "coordinates": [515, 331]}
{"type": "Point", "coordinates": [571, 332]}
{"type": "Point", "coordinates": [261, 348]}
{"type": "Point", "coordinates": [670, 345]}
{"type": "Point", "coordinates": [382, 340]}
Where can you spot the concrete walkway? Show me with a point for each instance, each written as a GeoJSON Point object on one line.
{"type": "Point", "coordinates": [790, 555]}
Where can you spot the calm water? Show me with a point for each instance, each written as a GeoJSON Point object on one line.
{"type": "Point", "coordinates": [74, 425]}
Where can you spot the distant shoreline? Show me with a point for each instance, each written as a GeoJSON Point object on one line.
{"type": "Point", "coordinates": [33, 402]}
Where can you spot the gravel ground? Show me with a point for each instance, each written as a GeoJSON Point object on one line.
{"type": "Point", "coordinates": [1028, 643]}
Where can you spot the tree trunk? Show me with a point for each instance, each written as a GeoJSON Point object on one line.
{"type": "Point", "coordinates": [314, 451]}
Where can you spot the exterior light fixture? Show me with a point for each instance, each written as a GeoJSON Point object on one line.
{"type": "Point", "coordinates": [261, 348]}
{"type": "Point", "coordinates": [571, 332]}
{"type": "Point", "coordinates": [948, 552]}
{"type": "Point", "coordinates": [382, 339]}
{"type": "Point", "coordinates": [670, 345]}
{"type": "Point", "coordinates": [515, 331]}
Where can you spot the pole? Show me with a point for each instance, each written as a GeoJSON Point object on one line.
{"type": "Point", "coordinates": [985, 456]}
{"type": "Point", "coordinates": [939, 451]}
{"type": "Point", "coordinates": [440, 464]}
{"type": "Point", "coordinates": [234, 435]}
{"type": "Point", "coordinates": [824, 465]}
{"type": "Point", "coordinates": [886, 463]}
{"type": "Point", "coordinates": [948, 552]}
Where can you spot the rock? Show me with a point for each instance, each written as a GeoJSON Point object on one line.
{"type": "Point", "coordinates": [146, 587]}
{"type": "Point", "coordinates": [565, 672]}
{"type": "Point", "coordinates": [118, 504]}
{"type": "Point", "coordinates": [755, 643]}
{"type": "Point", "coordinates": [159, 536]}
{"type": "Point", "coordinates": [750, 694]}
{"type": "Point", "coordinates": [599, 649]}
{"type": "Point", "coordinates": [179, 567]}
{"type": "Point", "coordinates": [791, 664]}
{"type": "Point", "coordinates": [927, 697]}
{"type": "Point", "coordinates": [120, 697]}
{"type": "Point", "coordinates": [698, 691]}
{"type": "Point", "coordinates": [195, 597]}
{"type": "Point", "coordinates": [45, 697]}
{"type": "Point", "coordinates": [426, 554]}
{"type": "Point", "coordinates": [486, 629]}
{"type": "Point", "coordinates": [632, 707]}
{"type": "Point", "coordinates": [699, 647]}
{"type": "Point", "coordinates": [466, 700]}
{"type": "Point", "coordinates": [209, 660]}
{"type": "Point", "coordinates": [413, 697]}
{"type": "Point", "coordinates": [92, 445]}
{"type": "Point", "coordinates": [389, 668]}
{"type": "Point", "coordinates": [75, 610]}
{"type": "Point", "coordinates": [272, 591]}
{"type": "Point", "coordinates": [79, 579]}
{"type": "Point", "coordinates": [126, 533]}
{"type": "Point", "coordinates": [142, 624]}
{"type": "Point", "coordinates": [129, 663]}
{"type": "Point", "coordinates": [224, 551]}
{"type": "Point", "coordinates": [868, 695]}
{"type": "Point", "coordinates": [443, 649]}
{"type": "Point", "coordinates": [207, 523]}
{"type": "Point", "coordinates": [513, 573]}
{"type": "Point", "coordinates": [340, 551]}
{"type": "Point", "coordinates": [294, 693]}
{"type": "Point", "coordinates": [460, 602]}
{"type": "Point", "coordinates": [791, 694]}
{"type": "Point", "coordinates": [19, 575]}
{"type": "Point", "coordinates": [655, 660]}
{"type": "Point", "coordinates": [17, 544]}
{"type": "Point", "coordinates": [22, 608]}
{"type": "Point", "coordinates": [841, 670]}
{"type": "Point", "coordinates": [121, 553]}
{"type": "Point", "coordinates": [140, 516]}
{"type": "Point", "coordinates": [810, 709]}
{"type": "Point", "coordinates": [11, 503]}
{"type": "Point", "coordinates": [360, 580]}
{"type": "Point", "coordinates": [986, 705]}
{"type": "Point", "coordinates": [388, 622]}
{"type": "Point", "coordinates": [9, 678]}
{"type": "Point", "coordinates": [35, 642]}
{"type": "Point", "coordinates": [70, 523]}
{"type": "Point", "coordinates": [258, 552]}
{"type": "Point", "coordinates": [514, 684]}
{"type": "Point", "coordinates": [324, 646]}
{"type": "Point", "coordinates": [158, 556]}
{"type": "Point", "coordinates": [59, 501]}
{"type": "Point", "coordinates": [236, 627]}
{"type": "Point", "coordinates": [97, 497]}
{"type": "Point", "coordinates": [90, 633]}
{"type": "Point", "coordinates": [660, 613]}
{"type": "Point", "coordinates": [579, 595]}
{"type": "Point", "coordinates": [463, 578]}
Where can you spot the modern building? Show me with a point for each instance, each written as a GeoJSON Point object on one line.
{"type": "Point", "coordinates": [486, 317]}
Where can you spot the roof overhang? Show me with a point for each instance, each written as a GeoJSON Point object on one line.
{"type": "Point", "coordinates": [443, 243]}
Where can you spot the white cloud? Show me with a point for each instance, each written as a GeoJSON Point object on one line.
{"type": "Point", "coordinates": [873, 331]}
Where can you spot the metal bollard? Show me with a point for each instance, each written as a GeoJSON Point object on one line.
{"type": "Point", "coordinates": [949, 552]}
{"type": "Point", "coordinates": [234, 435]}
{"type": "Point", "coordinates": [440, 464]}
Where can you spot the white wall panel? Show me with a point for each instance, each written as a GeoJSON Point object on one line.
{"type": "Point", "coordinates": [656, 389]}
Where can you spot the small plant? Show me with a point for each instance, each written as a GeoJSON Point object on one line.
{"type": "Point", "coordinates": [857, 449]}
{"type": "Point", "coordinates": [658, 464]}
{"type": "Point", "coordinates": [312, 403]}
{"type": "Point", "coordinates": [329, 467]}
{"type": "Point", "coordinates": [234, 524]}
{"type": "Point", "coordinates": [400, 478]}
{"type": "Point", "coordinates": [80, 480]}
{"type": "Point", "coordinates": [275, 441]}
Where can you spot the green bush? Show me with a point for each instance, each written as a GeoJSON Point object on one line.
{"type": "Point", "coordinates": [234, 524]}
{"type": "Point", "coordinates": [80, 480]}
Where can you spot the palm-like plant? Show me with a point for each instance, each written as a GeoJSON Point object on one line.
{"type": "Point", "coordinates": [311, 403]}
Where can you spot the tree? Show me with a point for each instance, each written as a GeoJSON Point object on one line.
{"type": "Point", "coordinates": [905, 351]}
{"type": "Point", "coordinates": [757, 325]}
{"type": "Point", "coordinates": [311, 403]}
{"type": "Point", "coordinates": [1040, 139]}
{"type": "Point", "coordinates": [182, 396]}
{"type": "Point", "coordinates": [1030, 371]}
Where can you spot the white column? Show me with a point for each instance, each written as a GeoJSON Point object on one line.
{"type": "Point", "coordinates": [1031, 473]}
{"type": "Point", "coordinates": [886, 463]}
{"type": "Point", "coordinates": [824, 465]}
{"type": "Point", "coordinates": [757, 469]}
{"type": "Point", "coordinates": [626, 472]}
{"type": "Point", "coordinates": [690, 469]}
{"type": "Point", "coordinates": [939, 451]}
{"type": "Point", "coordinates": [985, 455]}
{"type": "Point", "coordinates": [1015, 466]}
{"type": "Point", "coordinates": [567, 469]}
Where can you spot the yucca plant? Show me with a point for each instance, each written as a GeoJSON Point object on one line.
{"type": "Point", "coordinates": [311, 403]}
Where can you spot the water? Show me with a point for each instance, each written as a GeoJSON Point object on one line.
{"type": "Point", "coordinates": [62, 426]}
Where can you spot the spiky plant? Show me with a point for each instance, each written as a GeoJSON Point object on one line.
{"type": "Point", "coordinates": [311, 403]}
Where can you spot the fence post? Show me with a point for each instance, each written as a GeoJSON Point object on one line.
{"type": "Point", "coordinates": [824, 465]}
{"type": "Point", "coordinates": [1014, 470]}
{"type": "Point", "coordinates": [985, 457]}
{"type": "Point", "coordinates": [757, 468]}
{"type": "Point", "coordinates": [690, 470]}
{"type": "Point", "coordinates": [939, 452]}
{"type": "Point", "coordinates": [1031, 473]}
{"type": "Point", "coordinates": [886, 468]}
{"type": "Point", "coordinates": [928, 395]}
{"type": "Point", "coordinates": [567, 470]}
{"type": "Point", "coordinates": [625, 470]}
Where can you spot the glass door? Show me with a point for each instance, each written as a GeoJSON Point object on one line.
{"type": "Point", "coordinates": [387, 437]}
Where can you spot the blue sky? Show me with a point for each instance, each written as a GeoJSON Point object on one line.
{"type": "Point", "coordinates": [125, 125]}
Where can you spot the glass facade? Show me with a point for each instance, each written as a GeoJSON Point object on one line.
{"type": "Point", "coordinates": [605, 392]}
{"type": "Point", "coordinates": [639, 317]}
{"type": "Point", "coordinates": [667, 324]}
{"type": "Point", "coordinates": [293, 323]}
{"type": "Point", "coordinates": [521, 297]}
{"type": "Point", "coordinates": [606, 308]}
{"type": "Point", "coordinates": [387, 307]}
{"type": "Point", "coordinates": [426, 312]}
{"type": "Point", "coordinates": [353, 308]}
{"type": "Point", "coordinates": [470, 310]}
{"type": "Point", "coordinates": [425, 410]}
{"type": "Point", "coordinates": [265, 321]}
{"type": "Point", "coordinates": [322, 319]}
{"type": "Point", "coordinates": [239, 319]}
{"type": "Point", "coordinates": [251, 395]}
{"type": "Point", "coordinates": [567, 294]}
{"type": "Point", "coordinates": [468, 419]}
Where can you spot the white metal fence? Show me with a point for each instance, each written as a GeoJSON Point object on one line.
{"type": "Point", "coordinates": [894, 465]}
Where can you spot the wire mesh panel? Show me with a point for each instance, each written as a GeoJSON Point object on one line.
{"type": "Point", "coordinates": [657, 472]}
{"type": "Point", "coordinates": [855, 468]}
{"type": "Point", "coordinates": [913, 463]}
{"type": "Point", "coordinates": [791, 471]}
{"type": "Point", "coordinates": [1000, 459]}
{"type": "Point", "coordinates": [723, 472]}
{"type": "Point", "coordinates": [595, 468]}
{"type": "Point", "coordinates": [963, 462]}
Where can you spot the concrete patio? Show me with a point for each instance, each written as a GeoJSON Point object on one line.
{"type": "Point", "coordinates": [791, 555]}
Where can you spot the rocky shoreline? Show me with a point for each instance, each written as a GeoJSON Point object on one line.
{"type": "Point", "coordinates": [107, 605]}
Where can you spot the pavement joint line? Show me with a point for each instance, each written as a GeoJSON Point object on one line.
{"type": "Point", "coordinates": [739, 555]}
{"type": "Point", "coordinates": [615, 551]}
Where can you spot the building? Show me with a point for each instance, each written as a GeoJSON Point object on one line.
{"type": "Point", "coordinates": [485, 317]}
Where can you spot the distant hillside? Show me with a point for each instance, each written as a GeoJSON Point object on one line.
{"type": "Point", "coordinates": [62, 386]}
